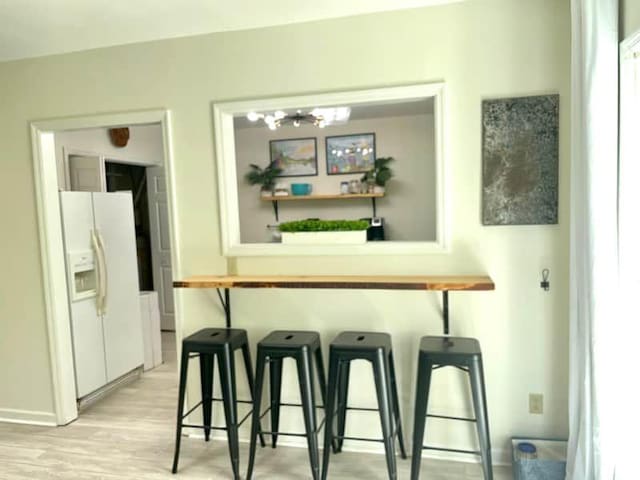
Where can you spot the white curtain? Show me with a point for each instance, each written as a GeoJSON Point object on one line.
{"type": "Point", "coordinates": [594, 239]}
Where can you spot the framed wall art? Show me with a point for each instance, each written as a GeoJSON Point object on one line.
{"type": "Point", "coordinates": [350, 153]}
{"type": "Point", "coordinates": [520, 160]}
{"type": "Point", "coordinates": [297, 157]}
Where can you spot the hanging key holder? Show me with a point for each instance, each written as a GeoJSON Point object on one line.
{"type": "Point", "coordinates": [544, 284]}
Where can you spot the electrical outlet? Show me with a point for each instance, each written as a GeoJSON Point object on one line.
{"type": "Point", "coordinates": [535, 403]}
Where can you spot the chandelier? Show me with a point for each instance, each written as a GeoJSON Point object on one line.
{"type": "Point", "coordinates": [320, 117]}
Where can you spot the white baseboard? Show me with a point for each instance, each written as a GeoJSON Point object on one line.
{"type": "Point", "coordinates": [28, 417]}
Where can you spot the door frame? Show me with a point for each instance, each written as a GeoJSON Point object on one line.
{"type": "Point", "coordinates": [51, 243]}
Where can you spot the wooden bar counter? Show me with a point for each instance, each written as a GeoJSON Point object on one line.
{"type": "Point", "coordinates": [364, 282]}
{"type": "Point", "coordinates": [443, 284]}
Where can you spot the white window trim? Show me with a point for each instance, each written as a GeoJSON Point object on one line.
{"type": "Point", "coordinates": [223, 114]}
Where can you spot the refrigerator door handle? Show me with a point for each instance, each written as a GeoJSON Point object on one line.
{"type": "Point", "coordinates": [99, 272]}
{"type": "Point", "coordinates": [103, 270]}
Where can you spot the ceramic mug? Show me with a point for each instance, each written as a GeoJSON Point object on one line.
{"type": "Point", "coordinates": [301, 188]}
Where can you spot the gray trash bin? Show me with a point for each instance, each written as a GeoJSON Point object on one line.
{"type": "Point", "coordinates": [546, 461]}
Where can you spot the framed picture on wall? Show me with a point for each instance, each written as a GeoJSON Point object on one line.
{"type": "Point", "coordinates": [297, 157]}
{"type": "Point", "coordinates": [350, 153]}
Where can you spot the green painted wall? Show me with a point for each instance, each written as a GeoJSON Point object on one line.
{"type": "Point", "coordinates": [480, 49]}
{"type": "Point", "coordinates": [630, 17]}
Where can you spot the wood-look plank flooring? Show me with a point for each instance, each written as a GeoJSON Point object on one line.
{"type": "Point", "coordinates": [130, 435]}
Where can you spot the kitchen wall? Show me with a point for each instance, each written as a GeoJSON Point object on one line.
{"type": "Point", "coordinates": [145, 147]}
{"type": "Point", "coordinates": [408, 208]}
{"type": "Point", "coordinates": [480, 49]}
{"type": "Point", "coordinates": [630, 18]}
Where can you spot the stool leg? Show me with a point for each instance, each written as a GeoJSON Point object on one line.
{"type": "Point", "coordinates": [396, 406]}
{"type": "Point", "coordinates": [275, 386]}
{"type": "Point", "coordinates": [419, 416]}
{"type": "Point", "coordinates": [482, 419]}
{"type": "Point", "coordinates": [226, 366]}
{"type": "Point", "coordinates": [246, 355]}
{"type": "Point", "coordinates": [330, 406]}
{"type": "Point", "coordinates": [206, 385]}
{"type": "Point", "coordinates": [322, 376]}
{"type": "Point", "coordinates": [344, 371]}
{"type": "Point", "coordinates": [305, 379]}
{"type": "Point", "coordinates": [383, 387]}
{"type": "Point", "coordinates": [322, 380]}
{"type": "Point", "coordinates": [255, 418]}
{"type": "Point", "coordinates": [184, 367]}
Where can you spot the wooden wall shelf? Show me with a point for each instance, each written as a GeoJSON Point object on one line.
{"type": "Point", "coordinates": [274, 198]}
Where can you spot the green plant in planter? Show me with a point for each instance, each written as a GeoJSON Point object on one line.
{"type": "Point", "coordinates": [380, 173]}
{"type": "Point", "coordinates": [315, 225]}
{"type": "Point", "coordinates": [265, 177]}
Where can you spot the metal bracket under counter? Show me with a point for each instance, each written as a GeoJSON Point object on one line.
{"type": "Point", "coordinates": [445, 284]}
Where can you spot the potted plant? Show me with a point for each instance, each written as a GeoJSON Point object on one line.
{"type": "Point", "coordinates": [379, 175]}
{"type": "Point", "coordinates": [265, 177]}
{"type": "Point", "coordinates": [323, 232]}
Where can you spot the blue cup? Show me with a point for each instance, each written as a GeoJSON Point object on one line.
{"type": "Point", "coordinates": [300, 188]}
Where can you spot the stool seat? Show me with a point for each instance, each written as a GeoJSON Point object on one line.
{"type": "Point", "coordinates": [290, 339]}
{"type": "Point", "coordinates": [216, 337]}
{"type": "Point", "coordinates": [450, 349]}
{"type": "Point", "coordinates": [362, 341]}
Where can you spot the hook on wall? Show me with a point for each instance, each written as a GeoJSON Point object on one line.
{"type": "Point", "coordinates": [544, 284]}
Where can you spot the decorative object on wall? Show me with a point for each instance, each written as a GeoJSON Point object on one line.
{"type": "Point", "coordinates": [296, 157]}
{"type": "Point", "coordinates": [265, 177]}
{"type": "Point", "coordinates": [379, 175]}
{"type": "Point", "coordinates": [350, 153]}
{"type": "Point", "coordinates": [119, 136]}
{"type": "Point", "coordinates": [520, 160]}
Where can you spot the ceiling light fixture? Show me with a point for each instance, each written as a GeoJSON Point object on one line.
{"type": "Point", "coordinates": [320, 117]}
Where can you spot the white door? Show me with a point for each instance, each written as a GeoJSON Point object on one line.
{"type": "Point", "coordinates": [86, 324]}
{"type": "Point", "coordinates": [122, 325]}
{"type": "Point", "coordinates": [160, 245]}
{"type": "Point", "coordinates": [87, 173]}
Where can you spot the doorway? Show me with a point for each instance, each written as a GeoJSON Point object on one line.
{"type": "Point", "coordinates": [47, 178]}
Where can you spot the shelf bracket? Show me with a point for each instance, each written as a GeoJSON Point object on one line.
{"type": "Point", "coordinates": [275, 209]}
{"type": "Point", "coordinates": [226, 305]}
{"type": "Point", "coordinates": [373, 204]}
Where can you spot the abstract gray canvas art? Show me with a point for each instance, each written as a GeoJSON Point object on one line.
{"type": "Point", "coordinates": [520, 161]}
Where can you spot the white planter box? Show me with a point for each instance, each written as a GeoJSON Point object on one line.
{"type": "Point", "coordinates": [325, 238]}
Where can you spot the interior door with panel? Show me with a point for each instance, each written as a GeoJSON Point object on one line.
{"type": "Point", "coordinates": [161, 245]}
{"type": "Point", "coordinates": [87, 173]}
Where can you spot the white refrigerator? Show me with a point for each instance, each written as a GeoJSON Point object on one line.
{"type": "Point", "coordinates": [102, 274]}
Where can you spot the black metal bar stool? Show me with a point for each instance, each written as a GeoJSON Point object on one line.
{"type": "Point", "coordinates": [302, 346]}
{"type": "Point", "coordinates": [376, 348]}
{"type": "Point", "coordinates": [207, 344]}
{"type": "Point", "coordinates": [464, 354]}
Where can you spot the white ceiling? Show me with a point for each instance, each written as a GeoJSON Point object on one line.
{"type": "Point", "coordinates": [32, 28]}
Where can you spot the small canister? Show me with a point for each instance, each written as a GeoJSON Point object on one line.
{"type": "Point", "coordinates": [527, 451]}
{"type": "Point", "coordinates": [344, 188]}
{"type": "Point", "coordinates": [354, 186]}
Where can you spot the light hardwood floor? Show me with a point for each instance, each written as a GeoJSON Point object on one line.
{"type": "Point", "coordinates": [130, 435]}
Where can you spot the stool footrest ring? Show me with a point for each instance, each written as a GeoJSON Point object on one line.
{"type": "Point", "coordinates": [462, 419]}
{"type": "Point", "coordinates": [470, 452]}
